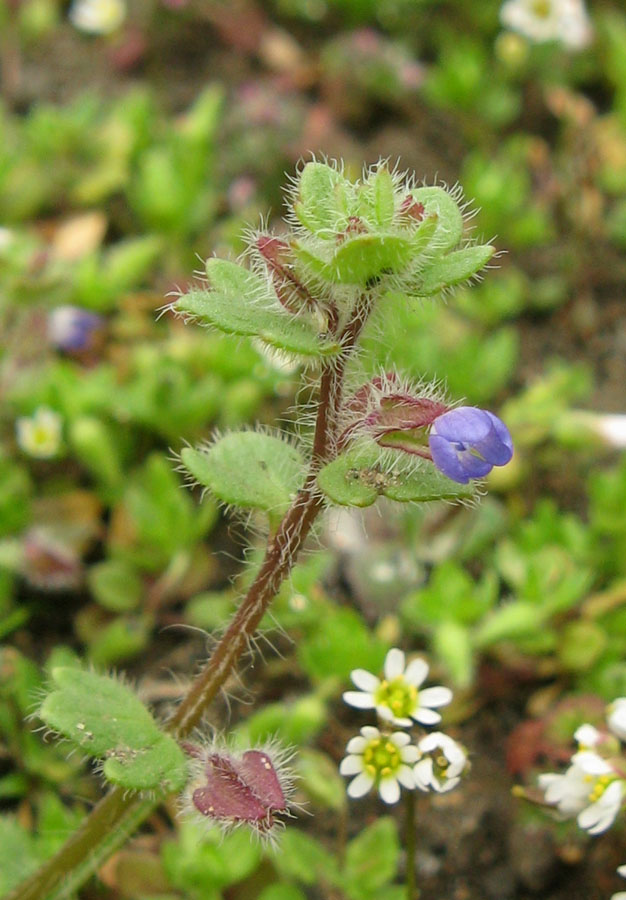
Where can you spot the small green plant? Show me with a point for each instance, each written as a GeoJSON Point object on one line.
{"type": "Point", "coordinates": [310, 294]}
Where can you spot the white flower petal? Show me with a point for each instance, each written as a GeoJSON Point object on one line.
{"type": "Point", "coordinates": [621, 895]}
{"type": "Point", "coordinates": [370, 732]}
{"type": "Point", "coordinates": [410, 754]}
{"type": "Point", "coordinates": [621, 870]}
{"type": "Point", "coordinates": [587, 735]}
{"type": "Point", "coordinates": [405, 777]}
{"type": "Point", "coordinates": [400, 739]}
{"type": "Point", "coordinates": [423, 773]}
{"type": "Point", "coordinates": [359, 699]}
{"type": "Point", "coordinates": [389, 790]}
{"type": "Point", "coordinates": [591, 763]}
{"type": "Point", "coordinates": [351, 765]}
{"type": "Point", "coordinates": [416, 671]}
{"type": "Point", "coordinates": [400, 722]}
{"type": "Point", "coordinates": [364, 680]}
{"type": "Point", "coordinates": [356, 744]}
{"type": "Point", "coordinates": [426, 716]}
{"type": "Point", "coordinates": [394, 664]}
{"type": "Point", "coordinates": [360, 785]}
{"type": "Point", "coordinates": [435, 696]}
{"type": "Point", "coordinates": [448, 784]}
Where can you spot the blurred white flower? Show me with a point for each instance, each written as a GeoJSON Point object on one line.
{"type": "Point", "coordinates": [397, 698]}
{"type": "Point", "coordinates": [587, 736]}
{"type": "Point", "coordinates": [589, 789]}
{"type": "Point", "coordinates": [39, 435]}
{"type": "Point", "coordinates": [565, 21]}
{"type": "Point", "coordinates": [621, 895]}
{"type": "Point", "coordinates": [379, 760]}
{"type": "Point", "coordinates": [441, 765]}
{"type": "Point", "coordinates": [616, 717]}
{"type": "Point", "coordinates": [97, 16]}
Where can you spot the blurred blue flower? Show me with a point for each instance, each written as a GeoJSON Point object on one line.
{"type": "Point", "coordinates": [70, 327]}
{"type": "Point", "coordinates": [468, 442]}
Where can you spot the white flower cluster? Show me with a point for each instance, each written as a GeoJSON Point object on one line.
{"type": "Point", "coordinates": [384, 759]}
{"type": "Point", "coordinates": [565, 21]}
{"type": "Point", "coordinates": [593, 787]}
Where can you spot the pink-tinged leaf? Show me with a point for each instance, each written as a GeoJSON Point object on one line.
{"type": "Point", "coordinates": [259, 774]}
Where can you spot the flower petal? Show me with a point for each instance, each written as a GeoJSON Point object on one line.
{"type": "Point", "coordinates": [360, 785]}
{"type": "Point", "coordinates": [370, 732]}
{"type": "Point", "coordinates": [426, 716]}
{"type": "Point", "coordinates": [400, 739]}
{"type": "Point", "coordinates": [356, 744]}
{"type": "Point", "coordinates": [364, 680]}
{"type": "Point", "coordinates": [394, 663]}
{"type": "Point", "coordinates": [351, 765]}
{"type": "Point", "coordinates": [435, 696]}
{"type": "Point", "coordinates": [405, 777]}
{"type": "Point", "coordinates": [359, 699]}
{"type": "Point", "coordinates": [416, 671]}
{"type": "Point", "coordinates": [446, 459]}
{"type": "Point", "coordinates": [423, 773]}
{"type": "Point", "coordinates": [389, 790]}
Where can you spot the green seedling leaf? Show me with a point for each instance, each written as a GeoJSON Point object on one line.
{"type": "Point", "coordinates": [342, 644]}
{"type": "Point", "coordinates": [115, 585]}
{"type": "Point", "coordinates": [514, 621]}
{"type": "Point", "coordinates": [18, 856]}
{"type": "Point", "coordinates": [323, 198]}
{"type": "Point", "coordinates": [372, 857]}
{"type": "Point", "coordinates": [241, 302]}
{"type": "Point", "coordinates": [305, 859]}
{"type": "Point", "coordinates": [249, 470]}
{"type": "Point", "coordinates": [105, 719]}
{"type": "Point", "coordinates": [581, 645]}
{"type": "Point", "coordinates": [360, 476]}
{"type": "Point", "coordinates": [319, 779]}
{"type": "Point", "coordinates": [455, 267]}
{"type": "Point", "coordinates": [450, 219]}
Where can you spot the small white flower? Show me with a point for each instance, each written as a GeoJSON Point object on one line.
{"type": "Point", "coordinates": [549, 20]}
{"type": "Point", "coordinates": [39, 435]}
{"type": "Point", "coordinates": [589, 789]}
{"type": "Point", "coordinates": [616, 717]}
{"type": "Point", "coordinates": [442, 763]}
{"type": "Point", "coordinates": [379, 760]}
{"type": "Point", "coordinates": [97, 16]}
{"type": "Point", "coordinates": [621, 895]}
{"type": "Point", "coordinates": [397, 698]}
{"type": "Point", "coordinates": [587, 737]}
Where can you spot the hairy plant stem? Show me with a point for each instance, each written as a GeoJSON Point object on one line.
{"type": "Point", "coordinates": [120, 812]}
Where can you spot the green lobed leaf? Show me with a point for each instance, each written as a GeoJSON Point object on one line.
{"type": "Point", "coordinates": [450, 219]}
{"type": "Point", "coordinates": [106, 719]}
{"type": "Point", "coordinates": [360, 476]}
{"type": "Point", "coordinates": [248, 469]}
{"type": "Point", "coordinates": [241, 302]}
{"type": "Point", "coordinates": [322, 198]}
{"type": "Point", "coordinates": [455, 267]}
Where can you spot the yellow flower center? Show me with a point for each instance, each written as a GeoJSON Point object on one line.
{"type": "Point", "coordinates": [601, 783]}
{"type": "Point", "coordinates": [381, 758]}
{"type": "Point", "coordinates": [541, 8]}
{"type": "Point", "coordinates": [398, 696]}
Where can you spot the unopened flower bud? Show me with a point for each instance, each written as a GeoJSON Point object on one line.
{"type": "Point", "coordinates": [412, 209]}
{"type": "Point", "coordinates": [231, 789]}
{"type": "Point", "coordinates": [291, 292]}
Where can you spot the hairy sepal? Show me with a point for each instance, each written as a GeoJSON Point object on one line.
{"type": "Point", "coordinates": [454, 268]}
{"type": "Point", "coordinates": [105, 719]}
{"type": "Point", "coordinates": [322, 200]}
{"type": "Point", "coordinates": [249, 470]}
{"type": "Point", "coordinates": [366, 472]}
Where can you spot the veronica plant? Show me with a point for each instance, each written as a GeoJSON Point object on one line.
{"type": "Point", "coordinates": [308, 293]}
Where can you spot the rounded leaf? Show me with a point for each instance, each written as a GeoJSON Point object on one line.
{"type": "Point", "coordinates": [248, 469]}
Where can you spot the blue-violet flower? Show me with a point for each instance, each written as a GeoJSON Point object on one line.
{"type": "Point", "coordinates": [468, 442]}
